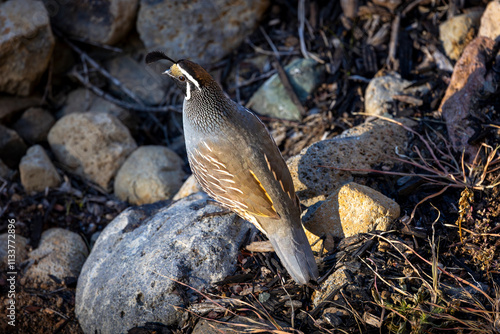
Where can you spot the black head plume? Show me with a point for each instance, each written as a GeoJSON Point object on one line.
{"type": "Point", "coordinates": [157, 55]}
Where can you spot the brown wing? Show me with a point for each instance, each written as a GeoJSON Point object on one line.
{"type": "Point", "coordinates": [272, 155]}
{"type": "Point", "coordinates": [240, 190]}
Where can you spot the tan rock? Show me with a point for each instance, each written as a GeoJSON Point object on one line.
{"type": "Point", "coordinates": [37, 171]}
{"type": "Point", "coordinates": [190, 186]}
{"type": "Point", "coordinates": [361, 147]}
{"type": "Point", "coordinates": [490, 26]}
{"type": "Point", "coordinates": [61, 253]}
{"type": "Point", "coordinates": [26, 44]}
{"type": "Point", "coordinates": [458, 31]}
{"type": "Point", "coordinates": [82, 100]}
{"type": "Point", "coordinates": [93, 145]}
{"type": "Point", "coordinates": [150, 174]}
{"type": "Point", "coordinates": [380, 91]}
{"type": "Point", "coordinates": [350, 210]}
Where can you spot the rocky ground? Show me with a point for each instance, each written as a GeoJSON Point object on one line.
{"type": "Point", "coordinates": [387, 114]}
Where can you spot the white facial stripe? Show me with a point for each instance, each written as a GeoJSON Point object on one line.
{"type": "Point", "coordinates": [188, 91]}
{"type": "Point", "coordinates": [189, 77]}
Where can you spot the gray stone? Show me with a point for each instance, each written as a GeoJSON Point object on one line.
{"type": "Point", "coordinates": [190, 186]}
{"type": "Point", "coordinates": [20, 245]}
{"type": "Point", "coordinates": [104, 22]}
{"type": "Point", "coordinates": [61, 253]}
{"type": "Point", "coordinates": [203, 31]}
{"type": "Point", "coordinates": [129, 277]}
{"type": "Point", "coordinates": [458, 31]}
{"type": "Point", "coordinates": [83, 100]}
{"type": "Point", "coordinates": [271, 99]}
{"type": "Point", "coordinates": [380, 91]}
{"type": "Point", "coordinates": [34, 125]}
{"type": "Point", "coordinates": [12, 147]}
{"type": "Point", "coordinates": [37, 171]}
{"type": "Point", "coordinates": [361, 147]}
{"type": "Point", "coordinates": [489, 21]}
{"type": "Point", "coordinates": [26, 44]}
{"type": "Point", "coordinates": [150, 174]}
{"type": "Point", "coordinates": [93, 145]}
{"type": "Point", "coordinates": [147, 85]}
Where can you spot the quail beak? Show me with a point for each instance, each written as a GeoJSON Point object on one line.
{"type": "Point", "coordinates": [168, 72]}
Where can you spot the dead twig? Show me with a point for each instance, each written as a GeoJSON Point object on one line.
{"type": "Point", "coordinates": [85, 57]}
{"type": "Point", "coordinates": [302, 18]}
{"type": "Point", "coordinates": [130, 106]}
{"type": "Point", "coordinates": [391, 61]}
{"type": "Point", "coordinates": [288, 87]}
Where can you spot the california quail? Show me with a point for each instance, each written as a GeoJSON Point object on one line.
{"type": "Point", "coordinates": [237, 162]}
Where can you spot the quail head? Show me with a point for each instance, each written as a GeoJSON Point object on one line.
{"type": "Point", "coordinates": [236, 161]}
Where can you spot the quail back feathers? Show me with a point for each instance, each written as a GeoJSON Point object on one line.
{"type": "Point", "coordinates": [236, 161]}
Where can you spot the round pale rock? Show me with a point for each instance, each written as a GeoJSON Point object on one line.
{"type": "Point", "coordinates": [83, 100]}
{"type": "Point", "coordinates": [380, 91]}
{"type": "Point", "coordinates": [150, 174]}
{"type": "Point", "coordinates": [489, 21]}
{"type": "Point", "coordinates": [458, 31]}
{"type": "Point", "coordinates": [93, 145]}
{"type": "Point", "coordinates": [26, 44]}
{"type": "Point", "coordinates": [203, 31]}
{"type": "Point", "coordinates": [104, 22]}
{"type": "Point", "coordinates": [350, 210]}
{"type": "Point", "coordinates": [130, 276]}
{"type": "Point", "coordinates": [61, 253]}
{"type": "Point", "coordinates": [361, 147]}
{"type": "Point", "coordinates": [34, 125]}
{"type": "Point", "coordinates": [37, 171]}
{"type": "Point", "coordinates": [12, 147]}
{"type": "Point", "coordinates": [20, 245]}
{"type": "Point", "coordinates": [190, 186]}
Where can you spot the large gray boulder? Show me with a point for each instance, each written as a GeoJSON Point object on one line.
{"type": "Point", "coordinates": [203, 31]}
{"type": "Point", "coordinates": [130, 277]}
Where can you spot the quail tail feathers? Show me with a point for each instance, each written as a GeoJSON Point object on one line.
{"type": "Point", "coordinates": [293, 249]}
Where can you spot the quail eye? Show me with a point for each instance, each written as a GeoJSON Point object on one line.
{"type": "Point", "coordinates": [181, 78]}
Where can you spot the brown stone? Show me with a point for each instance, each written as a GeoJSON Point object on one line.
{"type": "Point", "coordinates": [467, 82]}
